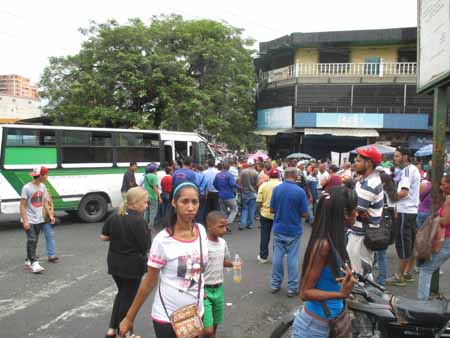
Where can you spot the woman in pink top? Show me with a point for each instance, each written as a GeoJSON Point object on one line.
{"type": "Point", "coordinates": [439, 258]}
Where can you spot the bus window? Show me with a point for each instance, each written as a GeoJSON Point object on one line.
{"type": "Point", "coordinates": [141, 148]}
{"type": "Point", "coordinates": [85, 147]}
{"type": "Point", "coordinates": [203, 152]}
{"type": "Point", "coordinates": [180, 150]}
{"type": "Point", "coordinates": [22, 137]}
{"type": "Point", "coordinates": [28, 147]}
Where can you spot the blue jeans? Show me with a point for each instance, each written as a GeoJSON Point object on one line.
{"type": "Point", "coordinates": [230, 204]}
{"type": "Point", "coordinates": [248, 210]}
{"type": "Point", "coordinates": [266, 229]}
{"type": "Point", "coordinates": [285, 245]}
{"type": "Point", "coordinates": [421, 217]}
{"type": "Point", "coordinates": [151, 212]}
{"type": "Point", "coordinates": [427, 269]}
{"type": "Point", "coordinates": [382, 266]}
{"type": "Point", "coordinates": [306, 326]}
{"type": "Point", "coordinates": [49, 234]}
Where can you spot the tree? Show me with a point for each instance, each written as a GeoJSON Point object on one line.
{"type": "Point", "coordinates": [172, 74]}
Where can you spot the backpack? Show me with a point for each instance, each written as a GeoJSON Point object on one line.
{"type": "Point", "coordinates": [425, 237]}
{"type": "Point", "coordinates": [379, 238]}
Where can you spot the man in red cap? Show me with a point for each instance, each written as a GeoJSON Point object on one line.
{"type": "Point", "coordinates": [266, 219]}
{"type": "Point", "coordinates": [32, 216]}
{"type": "Point", "coordinates": [370, 205]}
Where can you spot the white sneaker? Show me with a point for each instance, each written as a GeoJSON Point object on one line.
{"type": "Point", "coordinates": [36, 267]}
{"type": "Point", "coordinates": [262, 260]}
{"type": "Point", "coordinates": [27, 264]}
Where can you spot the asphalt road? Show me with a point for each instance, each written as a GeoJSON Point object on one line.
{"type": "Point", "coordinates": [73, 298]}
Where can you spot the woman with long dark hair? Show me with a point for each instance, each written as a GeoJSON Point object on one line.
{"type": "Point", "coordinates": [175, 259]}
{"type": "Point", "coordinates": [325, 260]}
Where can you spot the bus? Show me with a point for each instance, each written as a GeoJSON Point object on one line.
{"type": "Point", "coordinates": [86, 165]}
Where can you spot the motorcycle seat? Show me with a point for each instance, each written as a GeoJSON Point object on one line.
{"type": "Point", "coordinates": [427, 313]}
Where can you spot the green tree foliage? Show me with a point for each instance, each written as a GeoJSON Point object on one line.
{"type": "Point", "coordinates": [172, 74]}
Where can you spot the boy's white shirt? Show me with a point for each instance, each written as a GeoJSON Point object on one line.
{"type": "Point", "coordinates": [217, 252]}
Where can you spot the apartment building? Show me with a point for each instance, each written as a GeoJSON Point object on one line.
{"type": "Point", "coordinates": [18, 86]}
{"type": "Point", "coordinates": [339, 90]}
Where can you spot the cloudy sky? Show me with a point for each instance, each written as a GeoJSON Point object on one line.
{"type": "Point", "coordinates": [31, 31]}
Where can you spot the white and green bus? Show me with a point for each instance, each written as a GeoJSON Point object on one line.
{"type": "Point", "coordinates": [86, 165]}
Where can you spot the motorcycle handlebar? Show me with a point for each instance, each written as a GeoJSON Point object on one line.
{"type": "Point", "coordinates": [364, 279]}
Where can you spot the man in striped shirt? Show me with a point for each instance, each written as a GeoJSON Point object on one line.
{"type": "Point", "coordinates": [370, 205]}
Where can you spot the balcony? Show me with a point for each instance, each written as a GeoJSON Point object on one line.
{"type": "Point", "coordinates": [342, 72]}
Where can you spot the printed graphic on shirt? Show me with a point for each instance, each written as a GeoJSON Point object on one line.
{"type": "Point", "coordinates": [36, 199]}
{"type": "Point", "coordinates": [188, 270]}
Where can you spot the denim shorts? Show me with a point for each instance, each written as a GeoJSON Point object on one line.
{"type": "Point", "coordinates": [306, 326]}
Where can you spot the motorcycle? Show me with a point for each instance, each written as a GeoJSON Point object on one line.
{"type": "Point", "coordinates": [376, 313]}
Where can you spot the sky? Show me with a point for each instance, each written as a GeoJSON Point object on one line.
{"type": "Point", "coordinates": [32, 31]}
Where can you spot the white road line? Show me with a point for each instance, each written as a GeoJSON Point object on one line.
{"type": "Point", "coordinates": [29, 298]}
{"type": "Point", "coordinates": [94, 307]}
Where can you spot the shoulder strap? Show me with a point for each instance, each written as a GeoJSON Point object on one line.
{"type": "Point", "coordinates": [199, 280]}
{"type": "Point", "coordinates": [162, 301]}
{"type": "Point", "coordinates": [326, 310]}
{"type": "Point", "coordinates": [201, 266]}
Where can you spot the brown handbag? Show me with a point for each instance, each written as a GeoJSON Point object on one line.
{"type": "Point", "coordinates": [341, 326]}
{"type": "Point", "coordinates": [186, 322]}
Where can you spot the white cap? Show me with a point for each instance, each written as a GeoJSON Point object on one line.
{"type": "Point", "coordinates": [251, 162]}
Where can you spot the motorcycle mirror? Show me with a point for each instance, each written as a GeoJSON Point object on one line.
{"type": "Point", "coordinates": [366, 266]}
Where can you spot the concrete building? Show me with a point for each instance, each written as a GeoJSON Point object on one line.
{"type": "Point", "coordinates": [14, 108]}
{"type": "Point", "coordinates": [339, 90]}
{"type": "Point", "coordinates": [18, 99]}
{"type": "Point", "coordinates": [18, 86]}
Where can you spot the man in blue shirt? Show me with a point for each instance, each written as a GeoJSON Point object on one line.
{"type": "Point", "coordinates": [203, 189]}
{"type": "Point", "coordinates": [289, 204]}
{"type": "Point", "coordinates": [212, 200]}
{"type": "Point", "coordinates": [185, 174]}
{"type": "Point", "coordinates": [225, 183]}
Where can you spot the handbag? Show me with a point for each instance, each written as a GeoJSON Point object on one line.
{"type": "Point", "coordinates": [186, 321]}
{"type": "Point", "coordinates": [341, 326]}
{"type": "Point", "coordinates": [379, 238]}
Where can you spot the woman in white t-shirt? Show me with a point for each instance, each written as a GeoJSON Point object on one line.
{"type": "Point", "coordinates": [174, 259]}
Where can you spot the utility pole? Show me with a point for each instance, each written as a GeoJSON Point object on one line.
{"type": "Point", "coordinates": [439, 147]}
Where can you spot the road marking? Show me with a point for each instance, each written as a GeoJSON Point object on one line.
{"type": "Point", "coordinates": [29, 298]}
{"type": "Point", "coordinates": [94, 307]}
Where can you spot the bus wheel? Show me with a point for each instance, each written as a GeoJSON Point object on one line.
{"type": "Point", "coordinates": [93, 208]}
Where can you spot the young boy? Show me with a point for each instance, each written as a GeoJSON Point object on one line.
{"type": "Point", "coordinates": [218, 257]}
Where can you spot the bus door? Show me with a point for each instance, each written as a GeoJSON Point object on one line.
{"type": "Point", "coordinates": [169, 153]}
{"type": "Point", "coordinates": [181, 150]}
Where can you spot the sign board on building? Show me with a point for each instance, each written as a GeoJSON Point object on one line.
{"type": "Point", "coordinates": [274, 118]}
{"type": "Point", "coordinates": [433, 32]}
{"type": "Point", "coordinates": [349, 120]}
{"type": "Point", "coordinates": [361, 120]}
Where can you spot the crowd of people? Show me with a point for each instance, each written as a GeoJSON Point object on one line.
{"type": "Point", "coordinates": [168, 234]}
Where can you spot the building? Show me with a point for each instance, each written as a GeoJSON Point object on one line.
{"type": "Point", "coordinates": [335, 91]}
{"type": "Point", "coordinates": [18, 99]}
{"type": "Point", "coordinates": [18, 86]}
{"type": "Point", "coordinates": [13, 109]}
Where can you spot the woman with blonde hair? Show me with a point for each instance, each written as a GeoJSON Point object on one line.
{"type": "Point", "coordinates": [129, 242]}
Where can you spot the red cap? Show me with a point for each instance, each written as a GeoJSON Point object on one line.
{"type": "Point", "coordinates": [371, 153]}
{"type": "Point", "coordinates": [244, 165]}
{"type": "Point", "coordinates": [274, 173]}
{"type": "Point", "coordinates": [38, 171]}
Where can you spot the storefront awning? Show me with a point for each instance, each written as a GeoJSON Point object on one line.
{"type": "Point", "coordinates": [269, 132]}
{"type": "Point", "coordinates": [342, 132]}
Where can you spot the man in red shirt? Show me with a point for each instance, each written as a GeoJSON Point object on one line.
{"type": "Point", "coordinates": [166, 189]}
